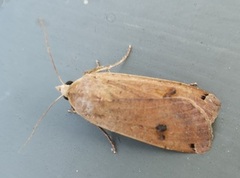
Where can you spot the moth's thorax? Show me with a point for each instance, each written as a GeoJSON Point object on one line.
{"type": "Point", "coordinates": [63, 89]}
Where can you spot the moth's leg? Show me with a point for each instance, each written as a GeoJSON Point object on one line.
{"type": "Point", "coordinates": [98, 63]}
{"type": "Point", "coordinates": [193, 84]}
{"type": "Point", "coordinates": [72, 110]}
{"type": "Point", "coordinates": [117, 63]}
{"type": "Point", "coordinates": [113, 149]}
{"type": "Point", "coordinates": [100, 68]}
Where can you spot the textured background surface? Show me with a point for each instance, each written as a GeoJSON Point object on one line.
{"type": "Point", "coordinates": [188, 41]}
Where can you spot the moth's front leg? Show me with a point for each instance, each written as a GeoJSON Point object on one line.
{"type": "Point", "coordinates": [72, 110]}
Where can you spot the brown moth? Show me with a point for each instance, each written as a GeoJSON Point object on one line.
{"type": "Point", "coordinates": [167, 114]}
{"type": "Point", "coordinates": [163, 113]}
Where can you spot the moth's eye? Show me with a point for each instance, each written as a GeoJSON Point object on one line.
{"type": "Point", "coordinates": [69, 82]}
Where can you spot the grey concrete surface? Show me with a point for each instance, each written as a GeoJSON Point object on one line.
{"type": "Point", "coordinates": [187, 41]}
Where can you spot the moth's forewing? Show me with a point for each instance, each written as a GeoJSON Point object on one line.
{"type": "Point", "coordinates": [163, 113]}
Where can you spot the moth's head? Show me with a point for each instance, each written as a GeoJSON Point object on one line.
{"type": "Point", "coordinates": [63, 89]}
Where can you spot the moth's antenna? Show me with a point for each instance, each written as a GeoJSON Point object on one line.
{"type": "Point", "coordinates": [43, 27]}
{"type": "Point", "coordinates": [38, 122]}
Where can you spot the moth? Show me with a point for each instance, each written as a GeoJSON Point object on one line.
{"type": "Point", "coordinates": [163, 113]}
{"type": "Point", "coordinates": [167, 114]}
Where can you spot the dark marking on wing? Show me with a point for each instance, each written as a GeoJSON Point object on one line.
{"type": "Point", "coordinates": [170, 92]}
{"type": "Point", "coordinates": [203, 97]}
{"type": "Point", "coordinates": [161, 128]}
{"type": "Point", "coordinates": [192, 145]}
